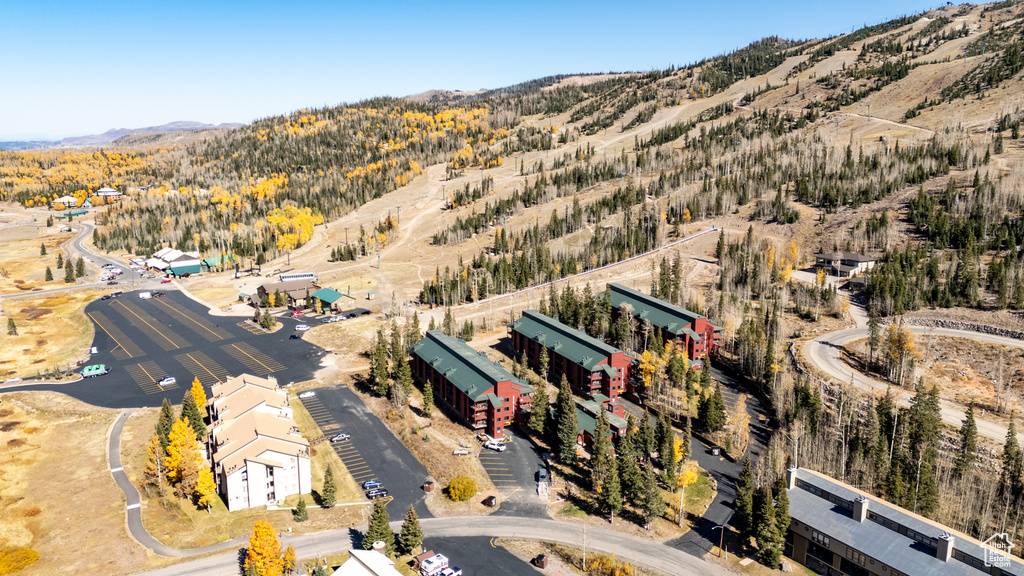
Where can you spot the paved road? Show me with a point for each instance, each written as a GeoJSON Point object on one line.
{"type": "Point", "coordinates": [825, 353]}
{"type": "Point", "coordinates": [143, 340]}
{"type": "Point", "coordinates": [133, 509]}
{"type": "Point", "coordinates": [514, 473]}
{"type": "Point", "coordinates": [646, 553]}
{"type": "Point", "coordinates": [703, 536]}
{"type": "Point", "coordinates": [373, 453]}
{"type": "Point", "coordinates": [478, 556]}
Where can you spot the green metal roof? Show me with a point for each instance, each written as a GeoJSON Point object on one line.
{"type": "Point", "coordinates": [584, 420]}
{"type": "Point", "coordinates": [327, 295]}
{"type": "Point", "coordinates": [470, 371]}
{"type": "Point", "coordinates": [674, 319]}
{"type": "Point", "coordinates": [217, 260]}
{"type": "Point", "coordinates": [573, 344]}
{"type": "Point", "coordinates": [189, 269]}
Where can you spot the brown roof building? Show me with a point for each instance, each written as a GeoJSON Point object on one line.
{"type": "Point", "coordinates": [259, 455]}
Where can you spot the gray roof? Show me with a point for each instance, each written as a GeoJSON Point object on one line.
{"type": "Point", "coordinates": [877, 541]}
{"type": "Point", "coordinates": [852, 256]}
{"type": "Point", "coordinates": [471, 371]}
{"type": "Point", "coordinates": [570, 343]}
{"type": "Point", "coordinates": [664, 315]}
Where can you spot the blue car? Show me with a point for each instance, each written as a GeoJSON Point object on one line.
{"type": "Point", "coordinates": [371, 484]}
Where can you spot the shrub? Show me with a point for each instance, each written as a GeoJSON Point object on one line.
{"type": "Point", "coordinates": [462, 488]}
{"type": "Point", "coordinates": [12, 561]}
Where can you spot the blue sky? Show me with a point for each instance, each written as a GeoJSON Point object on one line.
{"type": "Point", "coordinates": [74, 68]}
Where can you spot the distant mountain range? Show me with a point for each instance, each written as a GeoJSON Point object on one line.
{"type": "Point", "coordinates": [112, 135]}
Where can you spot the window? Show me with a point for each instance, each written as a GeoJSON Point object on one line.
{"type": "Point", "coordinates": [819, 538]}
{"type": "Point", "coordinates": [856, 557]}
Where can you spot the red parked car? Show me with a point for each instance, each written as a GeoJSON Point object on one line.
{"type": "Point", "coordinates": [165, 281]}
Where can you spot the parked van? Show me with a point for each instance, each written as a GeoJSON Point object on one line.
{"type": "Point", "coordinates": [145, 295]}
{"type": "Point", "coordinates": [434, 566]}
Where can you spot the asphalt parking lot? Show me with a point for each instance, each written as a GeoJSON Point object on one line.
{"type": "Point", "coordinates": [477, 556]}
{"type": "Point", "coordinates": [141, 341]}
{"type": "Point", "coordinates": [514, 474]}
{"type": "Point", "coordinates": [373, 452]}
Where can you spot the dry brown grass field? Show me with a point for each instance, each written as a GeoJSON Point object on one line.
{"type": "Point", "coordinates": [53, 332]}
{"type": "Point", "coordinates": [58, 497]}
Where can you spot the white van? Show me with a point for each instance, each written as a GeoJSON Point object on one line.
{"type": "Point", "coordinates": [145, 295]}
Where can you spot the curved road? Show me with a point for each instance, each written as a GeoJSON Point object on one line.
{"type": "Point", "coordinates": [133, 508]}
{"type": "Point", "coordinates": [648, 553]}
{"type": "Point", "coordinates": [825, 354]}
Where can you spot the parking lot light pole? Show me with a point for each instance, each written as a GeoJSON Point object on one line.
{"type": "Point", "coordinates": [721, 538]}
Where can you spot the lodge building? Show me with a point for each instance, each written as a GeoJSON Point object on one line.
{"type": "Point", "coordinates": [695, 334]}
{"type": "Point", "coordinates": [480, 391]}
{"type": "Point", "coordinates": [590, 365]}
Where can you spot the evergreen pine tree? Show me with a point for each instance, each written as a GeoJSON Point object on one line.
{"type": "Point", "coordinates": [540, 410]}
{"type": "Point", "coordinates": [967, 452]}
{"type": "Point", "coordinates": [631, 478]}
{"type": "Point", "coordinates": [80, 267]}
{"type": "Point", "coordinates": [647, 442]}
{"type": "Point", "coordinates": [12, 328]}
{"type": "Point", "coordinates": [69, 273]}
{"type": "Point", "coordinates": [927, 490]}
{"type": "Point", "coordinates": [428, 399]}
{"type": "Point", "coordinates": [60, 260]}
{"type": "Point", "coordinates": [743, 519]}
{"type": "Point", "coordinates": [1011, 459]}
{"type": "Point", "coordinates": [329, 490]}
{"type": "Point", "coordinates": [610, 498]}
{"type": "Point", "coordinates": [767, 533]}
{"type": "Point", "coordinates": [403, 375]}
{"type": "Point", "coordinates": [42, 249]}
{"type": "Point", "coordinates": [301, 514]}
{"type": "Point", "coordinates": [667, 459]}
{"type": "Point", "coordinates": [448, 324]}
{"type": "Point", "coordinates": [568, 426]}
{"type": "Point", "coordinates": [411, 536]}
{"type": "Point", "coordinates": [379, 366]}
{"type": "Point", "coordinates": [687, 432]}
{"type": "Point", "coordinates": [600, 452]}
{"type": "Point", "coordinates": [782, 517]}
{"type": "Point", "coordinates": [653, 503]}
{"type": "Point", "coordinates": [49, 275]}
{"type": "Point", "coordinates": [165, 423]}
{"type": "Point", "coordinates": [432, 325]}
{"type": "Point", "coordinates": [380, 529]}
{"type": "Point", "coordinates": [542, 363]}
{"type": "Point", "coordinates": [414, 334]}
{"type": "Point", "coordinates": [195, 418]}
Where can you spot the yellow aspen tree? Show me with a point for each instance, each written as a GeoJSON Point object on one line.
{"type": "Point", "coordinates": [182, 445]}
{"type": "Point", "coordinates": [686, 478]}
{"type": "Point", "coordinates": [153, 473]}
{"type": "Point", "coordinates": [206, 489]}
{"type": "Point", "coordinates": [264, 553]}
{"type": "Point", "coordinates": [199, 394]}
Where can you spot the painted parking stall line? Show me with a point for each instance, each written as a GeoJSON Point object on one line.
{"type": "Point", "coordinates": [202, 367]}
{"type": "Point", "coordinates": [201, 326]}
{"type": "Point", "coordinates": [163, 337]}
{"type": "Point", "coordinates": [346, 451]}
{"type": "Point", "coordinates": [258, 362]}
{"type": "Point", "coordinates": [146, 375]}
{"type": "Point", "coordinates": [497, 468]}
{"type": "Point", "coordinates": [125, 348]}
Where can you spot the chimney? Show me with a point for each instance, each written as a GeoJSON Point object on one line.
{"type": "Point", "coordinates": [790, 478]}
{"type": "Point", "coordinates": [944, 551]}
{"type": "Point", "coordinates": [378, 546]}
{"type": "Point", "coordinates": [860, 508]}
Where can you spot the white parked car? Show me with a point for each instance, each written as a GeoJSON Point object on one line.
{"type": "Point", "coordinates": [168, 381]}
{"type": "Point", "coordinates": [494, 445]}
{"type": "Point", "coordinates": [301, 327]}
{"type": "Point", "coordinates": [308, 394]}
